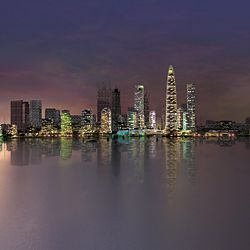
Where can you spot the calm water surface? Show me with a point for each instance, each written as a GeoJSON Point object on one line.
{"type": "Point", "coordinates": [139, 194]}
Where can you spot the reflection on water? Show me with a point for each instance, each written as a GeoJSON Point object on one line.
{"type": "Point", "coordinates": [109, 152]}
{"type": "Point", "coordinates": [140, 193]}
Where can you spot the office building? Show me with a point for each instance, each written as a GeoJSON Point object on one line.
{"type": "Point", "coordinates": [152, 120]}
{"type": "Point", "coordinates": [19, 115]}
{"type": "Point", "coordinates": [116, 109]}
{"type": "Point", "coordinates": [35, 114]}
{"type": "Point", "coordinates": [53, 115]}
{"type": "Point", "coordinates": [132, 118]}
{"type": "Point", "coordinates": [146, 110]}
{"type": "Point", "coordinates": [66, 123]}
{"type": "Point", "coordinates": [106, 121]}
{"type": "Point", "coordinates": [104, 100]}
{"type": "Point", "coordinates": [171, 103]}
{"type": "Point", "coordinates": [191, 122]}
{"type": "Point", "coordinates": [139, 105]}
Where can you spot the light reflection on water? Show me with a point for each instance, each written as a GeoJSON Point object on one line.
{"type": "Point", "coordinates": [124, 194]}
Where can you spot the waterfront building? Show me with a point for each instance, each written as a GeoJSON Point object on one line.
{"type": "Point", "coordinates": [19, 114]}
{"type": "Point", "coordinates": [139, 105]}
{"type": "Point", "coordinates": [146, 110]}
{"type": "Point", "coordinates": [132, 118]}
{"type": "Point", "coordinates": [9, 129]}
{"type": "Point", "coordinates": [35, 114]}
{"type": "Point", "coordinates": [116, 109]}
{"type": "Point", "coordinates": [66, 124]}
{"type": "Point", "coordinates": [106, 121]}
{"type": "Point", "coordinates": [171, 103]}
{"type": "Point", "coordinates": [191, 123]}
{"type": "Point", "coordinates": [76, 123]}
{"type": "Point", "coordinates": [104, 100]}
{"type": "Point", "coordinates": [152, 120]}
{"type": "Point", "coordinates": [87, 119]}
{"type": "Point", "coordinates": [53, 115]}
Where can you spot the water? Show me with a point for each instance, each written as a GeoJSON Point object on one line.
{"type": "Point", "coordinates": [140, 194]}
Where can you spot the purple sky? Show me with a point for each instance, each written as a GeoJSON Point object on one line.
{"type": "Point", "coordinates": [59, 51]}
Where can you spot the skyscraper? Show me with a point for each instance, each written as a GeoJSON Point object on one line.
{"type": "Point", "coordinates": [139, 105]}
{"type": "Point", "coordinates": [66, 123]}
{"type": "Point", "coordinates": [132, 118]}
{"type": "Point", "coordinates": [35, 114]}
{"type": "Point", "coordinates": [104, 100]}
{"type": "Point", "coordinates": [191, 122]}
{"type": "Point", "coordinates": [19, 114]}
{"type": "Point", "coordinates": [152, 120]}
{"type": "Point", "coordinates": [146, 109]}
{"type": "Point", "coordinates": [171, 102]}
{"type": "Point", "coordinates": [87, 120]}
{"type": "Point", "coordinates": [53, 115]}
{"type": "Point", "coordinates": [116, 109]}
{"type": "Point", "coordinates": [106, 124]}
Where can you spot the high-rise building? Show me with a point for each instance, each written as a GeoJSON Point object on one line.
{"type": "Point", "coordinates": [19, 114]}
{"type": "Point", "coordinates": [35, 114]}
{"type": "Point", "coordinates": [53, 115]}
{"type": "Point", "coordinates": [132, 117]}
{"type": "Point", "coordinates": [106, 123]}
{"type": "Point", "coordinates": [139, 105]}
{"type": "Point", "coordinates": [116, 109]}
{"type": "Point", "coordinates": [191, 122]}
{"type": "Point", "coordinates": [87, 118]}
{"type": "Point", "coordinates": [146, 109]}
{"type": "Point", "coordinates": [104, 100]}
{"type": "Point", "coordinates": [66, 123]}
{"type": "Point", "coordinates": [171, 102]}
{"type": "Point", "coordinates": [152, 120]}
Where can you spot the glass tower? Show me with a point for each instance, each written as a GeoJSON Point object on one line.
{"type": "Point", "coordinates": [171, 103]}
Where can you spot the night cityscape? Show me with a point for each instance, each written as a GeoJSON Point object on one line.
{"type": "Point", "coordinates": [27, 121]}
{"type": "Point", "coordinates": [124, 125]}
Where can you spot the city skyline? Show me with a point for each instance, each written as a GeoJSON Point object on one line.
{"type": "Point", "coordinates": [63, 61]}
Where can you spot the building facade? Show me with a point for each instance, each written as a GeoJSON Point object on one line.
{"type": "Point", "coordinates": [19, 114]}
{"type": "Point", "coordinates": [116, 109]}
{"type": "Point", "coordinates": [35, 114]}
{"type": "Point", "coordinates": [191, 122]}
{"type": "Point", "coordinates": [171, 103]}
{"type": "Point", "coordinates": [106, 121]}
{"type": "Point", "coordinates": [139, 105]}
{"type": "Point", "coordinates": [152, 120]}
{"type": "Point", "coordinates": [104, 100]}
{"type": "Point", "coordinates": [53, 115]}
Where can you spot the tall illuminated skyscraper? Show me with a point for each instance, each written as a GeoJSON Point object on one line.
{"type": "Point", "coordinates": [152, 119]}
{"type": "Point", "coordinates": [139, 105]}
{"type": "Point", "coordinates": [35, 114]}
{"type": "Point", "coordinates": [66, 124]}
{"type": "Point", "coordinates": [191, 119]}
{"type": "Point", "coordinates": [132, 118]}
{"type": "Point", "coordinates": [171, 102]}
{"type": "Point", "coordinates": [106, 123]}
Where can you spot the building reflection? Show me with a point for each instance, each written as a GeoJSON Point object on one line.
{"type": "Point", "coordinates": [20, 152]}
{"type": "Point", "coordinates": [188, 158]}
{"type": "Point", "coordinates": [136, 155]}
{"type": "Point", "coordinates": [171, 152]}
{"type": "Point", "coordinates": [87, 150]}
{"type": "Point", "coordinates": [66, 148]}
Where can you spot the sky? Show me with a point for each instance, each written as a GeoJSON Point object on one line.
{"type": "Point", "coordinates": [60, 51]}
